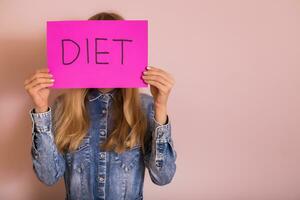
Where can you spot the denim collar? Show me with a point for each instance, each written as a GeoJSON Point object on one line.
{"type": "Point", "coordinates": [95, 93]}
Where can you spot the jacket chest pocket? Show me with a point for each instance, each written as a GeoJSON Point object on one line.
{"type": "Point", "coordinates": [81, 156]}
{"type": "Point", "coordinates": [129, 158]}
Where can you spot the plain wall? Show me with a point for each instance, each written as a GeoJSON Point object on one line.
{"type": "Point", "coordinates": [234, 108]}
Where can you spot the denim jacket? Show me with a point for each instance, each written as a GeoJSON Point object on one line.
{"type": "Point", "coordinates": [93, 174]}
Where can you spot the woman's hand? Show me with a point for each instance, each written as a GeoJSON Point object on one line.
{"type": "Point", "coordinates": [161, 84]}
{"type": "Point", "coordinates": [37, 87]}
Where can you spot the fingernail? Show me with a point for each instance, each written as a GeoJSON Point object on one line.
{"type": "Point", "coordinates": [144, 72]}
{"type": "Point", "coordinates": [148, 67]}
{"type": "Point", "coordinates": [52, 80]}
{"type": "Point", "coordinates": [51, 75]}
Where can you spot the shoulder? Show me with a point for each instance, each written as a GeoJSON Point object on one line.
{"type": "Point", "coordinates": [57, 102]}
{"type": "Point", "coordinates": [146, 97]}
{"type": "Point", "coordinates": [146, 100]}
{"type": "Point", "coordinates": [58, 99]}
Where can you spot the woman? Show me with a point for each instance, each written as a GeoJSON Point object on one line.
{"type": "Point", "coordinates": [102, 139]}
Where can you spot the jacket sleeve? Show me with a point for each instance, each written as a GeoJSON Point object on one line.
{"type": "Point", "coordinates": [160, 154]}
{"type": "Point", "coordinates": [48, 163]}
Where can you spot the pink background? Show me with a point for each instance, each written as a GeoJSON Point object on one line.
{"type": "Point", "coordinates": [235, 107]}
{"type": "Point", "coordinates": [88, 74]}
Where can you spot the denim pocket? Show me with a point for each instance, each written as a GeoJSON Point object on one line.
{"type": "Point", "coordinates": [129, 158]}
{"type": "Point", "coordinates": [81, 154]}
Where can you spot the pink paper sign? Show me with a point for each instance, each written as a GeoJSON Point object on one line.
{"type": "Point", "coordinates": [97, 53]}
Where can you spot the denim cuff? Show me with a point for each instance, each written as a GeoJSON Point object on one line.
{"type": "Point", "coordinates": [162, 132]}
{"type": "Point", "coordinates": [41, 121]}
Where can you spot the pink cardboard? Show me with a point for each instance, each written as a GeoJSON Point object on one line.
{"type": "Point", "coordinates": [97, 53]}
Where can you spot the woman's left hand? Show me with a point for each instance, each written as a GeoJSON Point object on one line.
{"type": "Point", "coordinates": [161, 84]}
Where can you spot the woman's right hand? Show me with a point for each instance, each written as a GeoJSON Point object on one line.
{"type": "Point", "coordinates": [37, 86]}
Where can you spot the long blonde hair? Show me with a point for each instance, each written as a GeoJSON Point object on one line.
{"type": "Point", "coordinates": [71, 118]}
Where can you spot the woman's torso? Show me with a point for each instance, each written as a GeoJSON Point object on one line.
{"type": "Point", "coordinates": [92, 173]}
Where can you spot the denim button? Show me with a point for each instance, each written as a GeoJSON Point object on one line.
{"type": "Point", "coordinates": [101, 179]}
{"type": "Point", "coordinates": [158, 163]}
{"type": "Point", "coordinates": [102, 155]}
{"type": "Point", "coordinates": [104, 111]}
{"type": "Point", "coordinates": [102, 132]}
